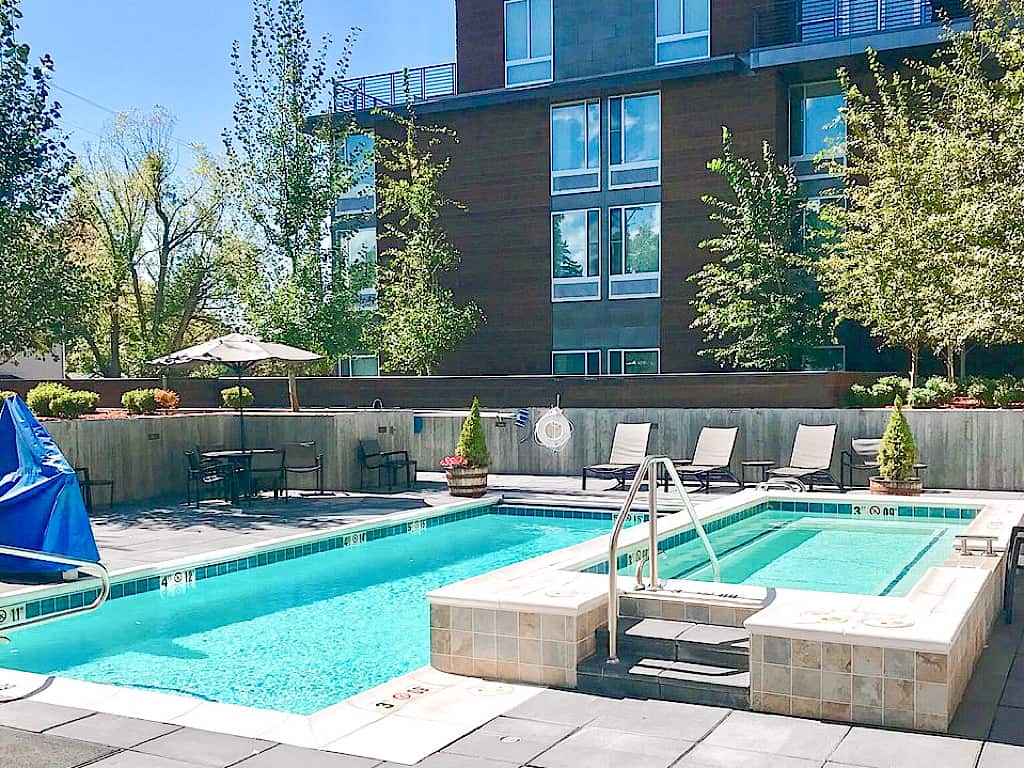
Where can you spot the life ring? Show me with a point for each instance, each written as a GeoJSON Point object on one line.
{"type": "Point", "coordinates": [553, 430]}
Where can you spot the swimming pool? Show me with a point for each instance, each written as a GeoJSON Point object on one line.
{"type": "Point", "coordinates": [295, 635]}
{"type": "Point", "coordinates": [880, 552]}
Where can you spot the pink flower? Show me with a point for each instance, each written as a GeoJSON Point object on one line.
{"type": "Point", "coordinates": [452, 462]}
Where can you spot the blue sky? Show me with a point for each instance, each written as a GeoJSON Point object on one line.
{"type": "Point", "coordinates": [124, 54]}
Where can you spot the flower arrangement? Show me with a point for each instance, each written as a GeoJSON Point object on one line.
{"type": "Point", "coordinates": [453, 462]}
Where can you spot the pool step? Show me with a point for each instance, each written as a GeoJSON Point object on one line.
{"type": "Point", "coordinates": [672, 661]}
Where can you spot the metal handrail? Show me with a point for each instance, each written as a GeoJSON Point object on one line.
{"type": "Point", "coordinates": [388, 88]}
{"type": "Point", "coordinates": [98, 570]}
{"type": "Point", "coordinates": [648, 468]}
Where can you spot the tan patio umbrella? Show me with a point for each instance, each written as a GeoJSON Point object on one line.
{"type": "Point", "coordinates": [239, 352]}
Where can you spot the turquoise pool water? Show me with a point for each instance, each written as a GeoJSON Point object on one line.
{"type": "Point", "coordinates": [827, 553]}
{"type": "Point", "coordinates": [295, 636]}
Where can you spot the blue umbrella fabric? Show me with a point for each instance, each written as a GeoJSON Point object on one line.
{"type": "Point", "coordinates": [41, 506]}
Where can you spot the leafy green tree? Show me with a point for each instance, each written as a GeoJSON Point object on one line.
{"type": "Point", "coordinates": [39, 279]}
{"type": "Point", "coordinates": [418, 319]}
{"type": "Point", "coordinates": [756, 304]}
{"type": "Point", "coordinates": [286, 176]}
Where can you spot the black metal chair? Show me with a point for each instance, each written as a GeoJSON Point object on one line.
{"type": "Point", "coordinates": [204, 474]}
{"type": "Point", "coordinates": [86, 483]}
{"type": "Point", "coordinates": [1013, 552]}
{"type": "Point", "coordinates": [385, 464]}
{"type": "Point", "coordinates": [266, 473]}
{"type": "Point", "coordinates": [302, 459]}
{"type": "Point", "coordinates": [863, 457]}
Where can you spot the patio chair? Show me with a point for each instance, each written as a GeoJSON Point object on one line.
{"type": "Point", "coordinates": [86, 483]}
{"type": "Point", "coordinates": [1014, 549]}
{"type": "Point", "coordinates": [266, 473]}
{"type": "Point", "coordinates": [863, 457]}
{"type": "Point", "coordinates": [210, 475]}
{"type": "Point", "coordinates": [302, 459]}
{"type": "Point", "coordinates": [384, 463]}
{"type": "Point", "coordinates": [712, 458]}
{"type": "Point", "coordinates": [811, 460]}
{"type": "Point", "coordinates": [629, 447]}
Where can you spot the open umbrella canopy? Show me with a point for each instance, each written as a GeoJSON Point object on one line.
{"type": "Point", "coordinates": [236, 350]}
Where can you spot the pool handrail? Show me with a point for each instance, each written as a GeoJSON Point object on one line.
{"type": "Point", "coordinates": [648, 468]}
{"type": "Point", "coordinates": [97, 570]}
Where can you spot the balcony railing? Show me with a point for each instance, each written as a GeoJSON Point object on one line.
{"type": "Point", "coordinates": [388, 89]}
{"type": "Point", "coordinates": [790, 22]}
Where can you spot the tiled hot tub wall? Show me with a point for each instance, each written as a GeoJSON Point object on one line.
{"type": "Point", "coordinates": [870, 684]}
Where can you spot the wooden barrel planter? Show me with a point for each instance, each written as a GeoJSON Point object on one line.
{"type": "Point", "coordinates": [469, 482]}
{"type": "Point", "coordinates": [909, 487]}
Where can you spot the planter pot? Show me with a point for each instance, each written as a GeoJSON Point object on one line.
{"type": "Point", "coordinates": [468, 482]}
{"type": "Point", "coordinates": [909, 487]}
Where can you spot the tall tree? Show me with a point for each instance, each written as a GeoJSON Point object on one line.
{"type": "Point", "coordinates": [38, 279]}
{"type": "Point", "coordinates": [756, 304]}
{"type": "Point", "coordinates": [418, 319]}
{"type": "Point", "coordinates": [286, 175]}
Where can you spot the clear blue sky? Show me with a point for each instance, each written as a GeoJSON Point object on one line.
{"type": "Point", "coordinates": [125, 54]}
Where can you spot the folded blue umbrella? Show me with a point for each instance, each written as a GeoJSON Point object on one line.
{"type": "Point", "coordinates": [41, 506]}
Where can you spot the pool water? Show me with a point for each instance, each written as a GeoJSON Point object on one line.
{"type": "Point", "coordinates": [295, 636]}
{"type": "Point", "coordinates": [825, 553]}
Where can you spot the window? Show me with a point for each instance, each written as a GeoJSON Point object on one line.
{"type": "Point", "coordinates": [634, 141]}
{"type": "Point", "coordinates": [576, 255]}
{"type": "Point", "coordinates": [358, 253]}
{"type": "Point", "coordinates": [815, 123]}
{"type": "Point", "coordinates": [683, 31]}
{"type": "Point", "coordinates": [575, 362]}
{"type": "Point", "coordinates": [634, 361]}
{"type": "Point", "coordinates": [528, 32]}
{"type": "Point", "coordinates": [358, 153]}
{"type": "Point", "coordinates": [634, 250]}
{"type": "Point", "coordinates": [576, 148]}
{"type": "Point", "coordinates": [360, 365]}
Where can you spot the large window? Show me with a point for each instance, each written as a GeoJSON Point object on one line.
{"type": "Point", "coordinates": [576, 362]}
{"type": "Point", "coordinates": [576, 255]}
{"type": "Point", "coordinates": [634, 251]}
{"type": "Point", "coordinates": [360, 365]}
{"type": "Point", "coordinates": [815, 122]}
{"type": "Point", "coordinates": [633, 361]}
{"type": "Point", "coordinates": [358, 251]}
{"type": "Point", "coordinates": [359, 155]}
{"type": "Point", "coordinates": [528, 34]}
{"type": "Point", "coordinates": [576, 147]}
{"type": "Point", "coordinates": [683, 31]}
{"type": "Point", "coordinates": [634, 140]}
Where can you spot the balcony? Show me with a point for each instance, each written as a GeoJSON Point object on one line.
{"type": "Point", "coordinates": [808, 22]}
{"type": "Point", "coordinates": [388, 89]}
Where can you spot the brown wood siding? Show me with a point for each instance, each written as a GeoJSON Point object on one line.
{"type": "Point", "coordinates": [480, 44]}
{"type": "Point", "coordinates": [732, 26]}
{"type": "Point", "coordinates": [693, 113]}
{"type": "Point", "coordinates": [499, 170]}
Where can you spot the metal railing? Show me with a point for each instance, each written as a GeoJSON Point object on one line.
{"type": "Point", "coordinates": [93, 569]}
{"type": "Point", "coordinates": [388, 89]}
{"type": "Point", "coordinates": [788, 22]}
{"type": "Point", "coordinates": [648, 469]}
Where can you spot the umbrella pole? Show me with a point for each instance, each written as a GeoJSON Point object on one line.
{"type": "Point", "coordinates": [241, 411]}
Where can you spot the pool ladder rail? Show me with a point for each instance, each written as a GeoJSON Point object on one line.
{"type": "Point", "coordinates": [96, 570]}
{"type": "Point", "coordinates": [648, 471]}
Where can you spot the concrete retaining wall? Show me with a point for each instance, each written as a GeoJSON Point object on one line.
{"type": "Point", "coordinates": [982, 449]}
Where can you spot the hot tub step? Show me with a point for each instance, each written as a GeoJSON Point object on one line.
{"type": "Point", "coordinates": [653, 678]}
{"type": "Point", "coordinates": [682, 641]}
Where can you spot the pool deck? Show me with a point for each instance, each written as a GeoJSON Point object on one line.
{"type": "Point", "coordinates": [550, 729]}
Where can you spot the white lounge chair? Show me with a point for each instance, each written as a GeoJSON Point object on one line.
{"type": "Point", "coordinates": [629, 447]}
{"type": "Point", "coordinates": [712, 458]}
{"type": "Point", "coordinates": [811, 461]}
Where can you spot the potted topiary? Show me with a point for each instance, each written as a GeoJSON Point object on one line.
{"type": "Point", "coordinates": [466, 470]}
{"type": "Point", "coordinates": [896, 457]}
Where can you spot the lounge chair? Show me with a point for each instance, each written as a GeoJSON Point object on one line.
{"type": "Point", "coordinates": [712, 458]}
{"type": "Point", "coordinates": [629, 447]}
{"type": "Point", "coordinates": [811, 461]}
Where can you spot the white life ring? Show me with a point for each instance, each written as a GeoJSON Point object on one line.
{"type": "Point", "coordinates": [553, 430]}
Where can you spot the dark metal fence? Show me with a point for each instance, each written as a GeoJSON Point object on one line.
{"type": "Point", "coordinates": [388, 89]}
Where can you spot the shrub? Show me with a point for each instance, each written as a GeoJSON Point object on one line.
{"type": "Point", "coordinates": [922, 397]}
{"type": "Point", "coordinates": [861, 397]}
{"type": "Point", "coordinates": [236, 397]}
{"type": "Point", "coordinates": [5, 393]}
{"type": "Point", "coordinates": [167, 399]}
{"type": "Point", "coordinates": [897, 453]}
{"type": "Point", "coordinates": [39, 397]}
{"type": "Point", "coordinates": [472, 445]}
{"type": "Point", "coordinates": [1008, 392]}
{"type": "Point", "coordinates": [888, 388]}
{"type": "Point", "coordinates": [71, 405]}
{"type": "Point", "coordinates": [139, 401]}
{"type": "Point", "coordinates": [982, 389]}
{"type": "Point", "coordinates": [944, 389]}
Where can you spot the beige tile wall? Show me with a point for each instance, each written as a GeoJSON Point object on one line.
{"type": "Point", "coordinates": [681, 610]}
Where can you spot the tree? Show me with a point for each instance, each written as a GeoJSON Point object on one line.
{"type": "Point", "coordinates": [756, 304]}
{"type": "Point", "coordinates": [418, 319]}
{"type": "Point", "coordinates": [286, 175]}
{"type": "Point", "coordinates": [39, 279]}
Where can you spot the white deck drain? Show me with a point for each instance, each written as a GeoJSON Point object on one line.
{"type": "Point", "coordinates": [889, 622]}
{"type": "Point", "coordinates": [823, 617]}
